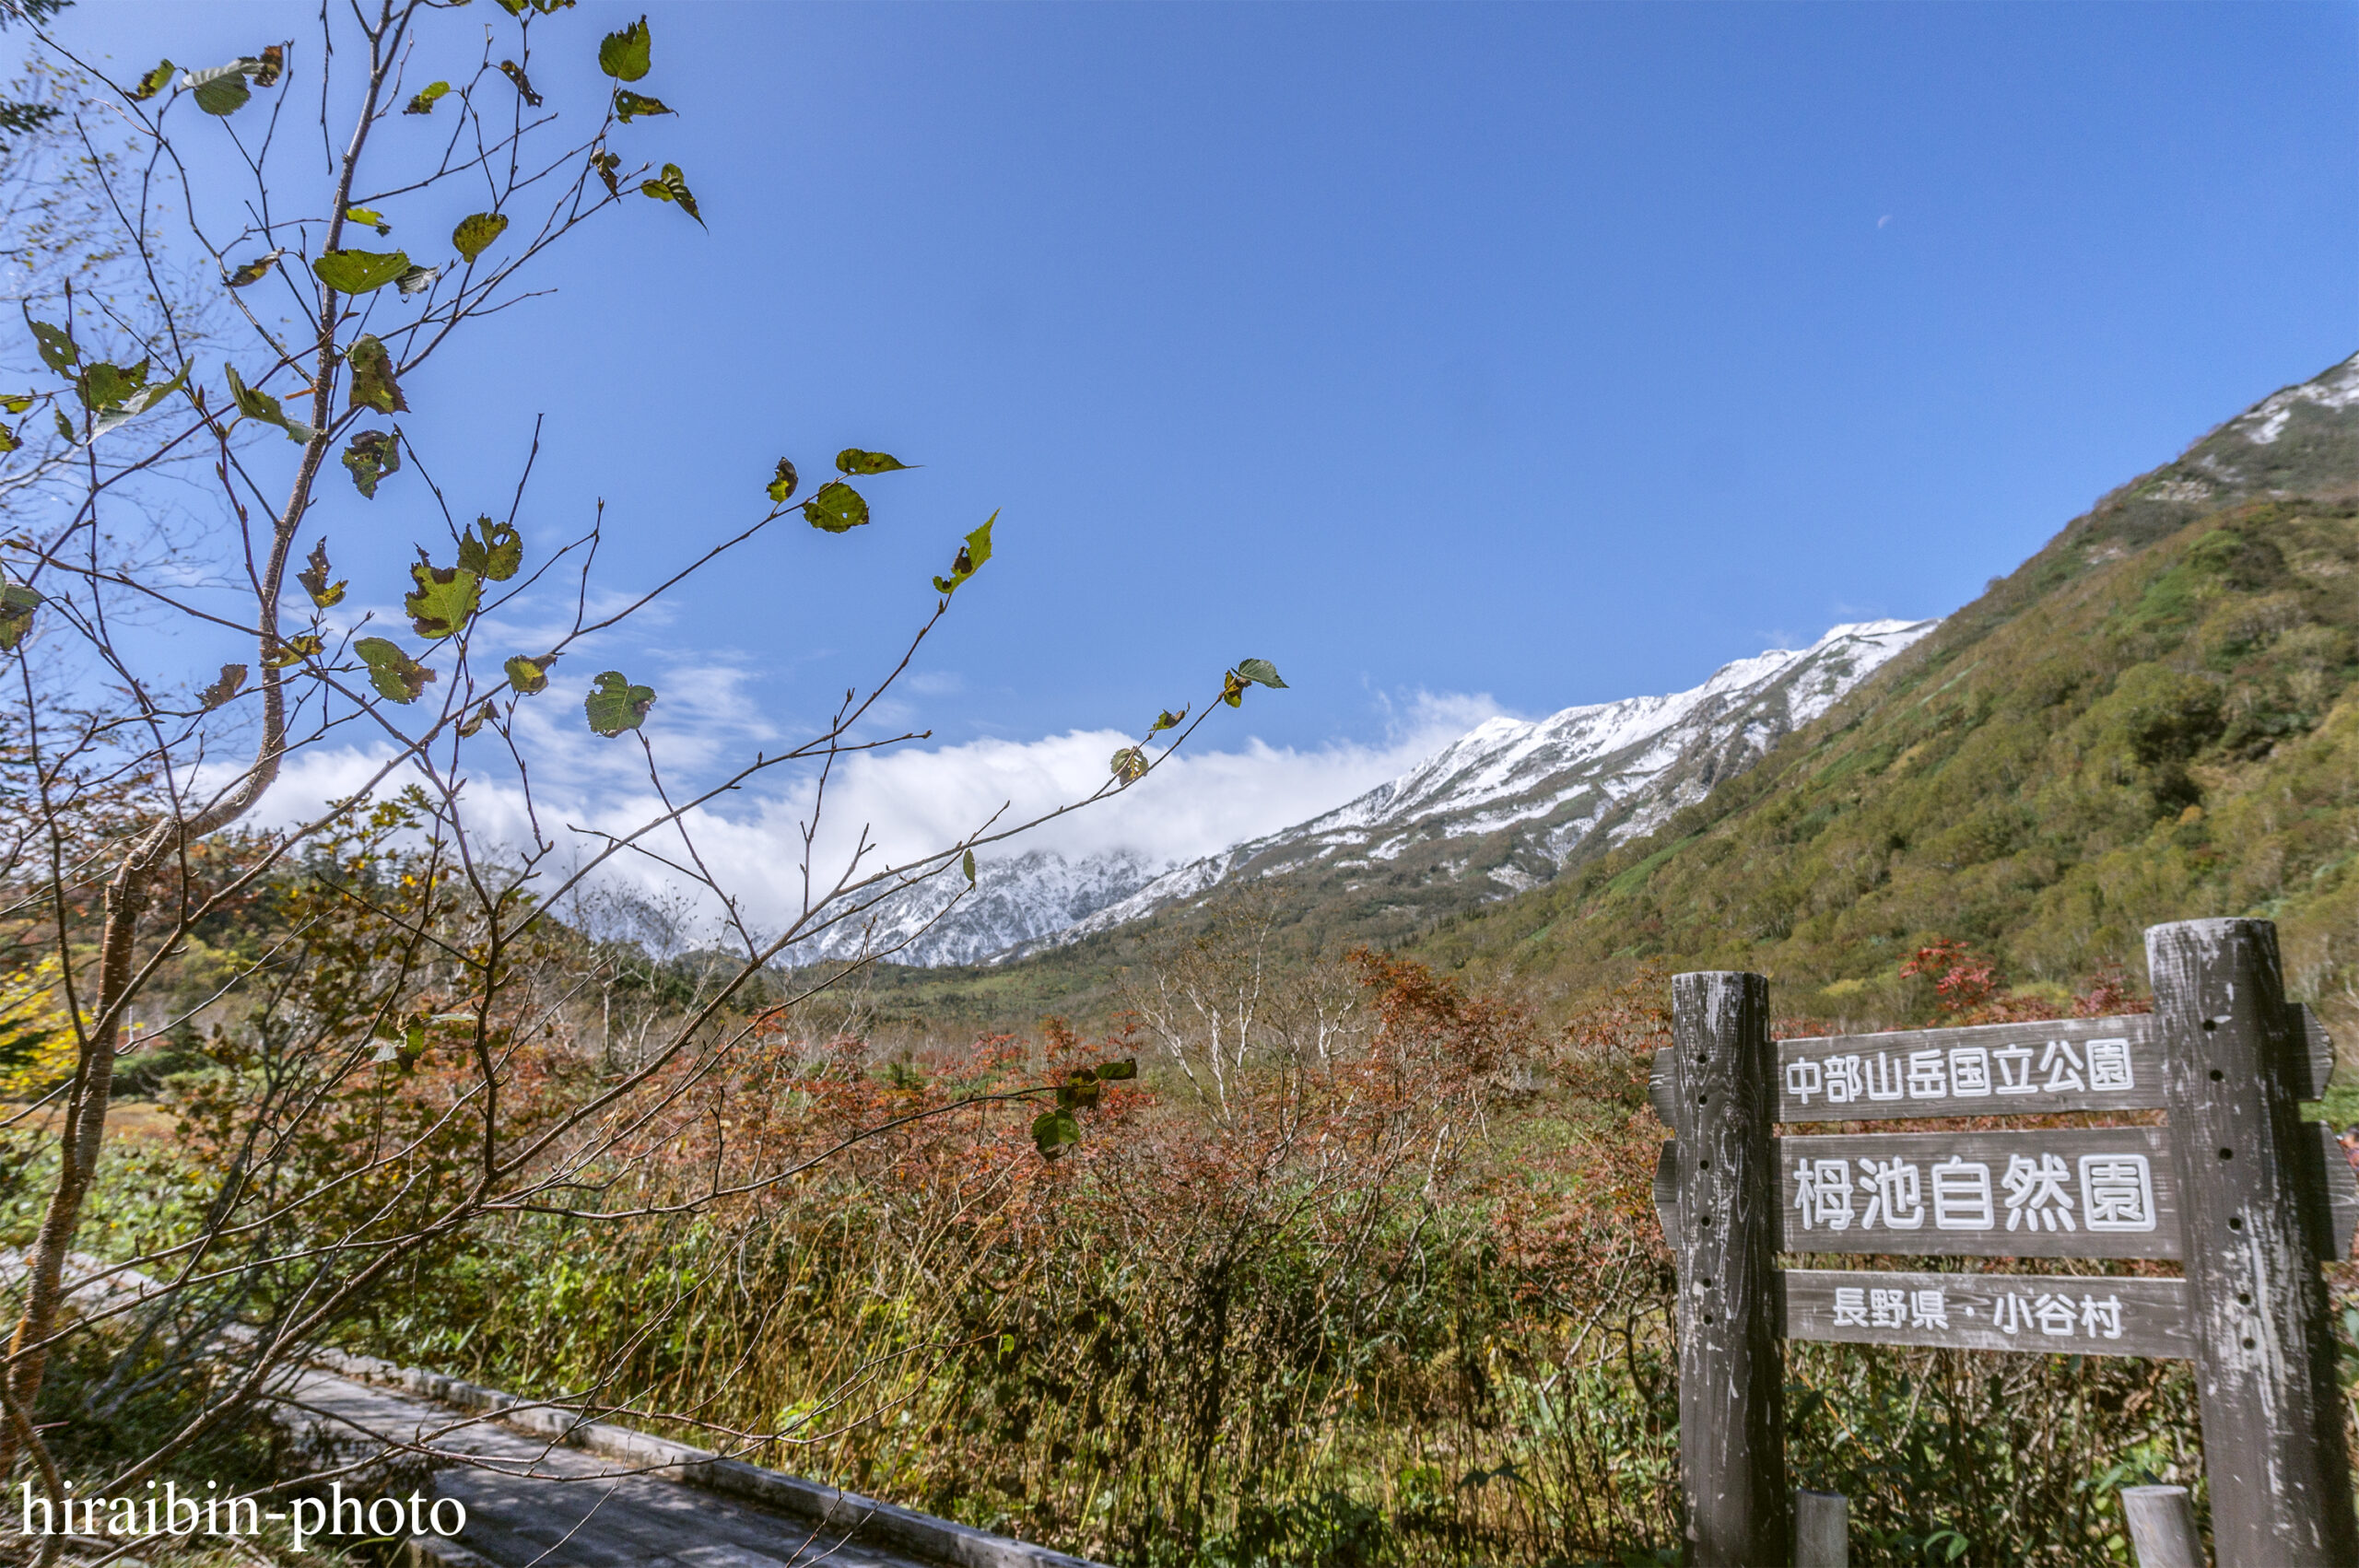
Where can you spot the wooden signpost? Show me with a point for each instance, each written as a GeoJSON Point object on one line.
{"type": "Point", "coordinates": [2234, 1187]}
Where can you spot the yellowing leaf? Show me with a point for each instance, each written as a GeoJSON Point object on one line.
{"type": "Point", "coordinates": [375, 221]}
{"type": "Point", "coordinates": [626, 56]}
{"type": "Point", "coordinates": [1167, 719]}
{"type": "Point", "coordinates": [672, 186]}
{"type": "Point", "coordinates": [780, 487]}
{"type": "Point", "coordinates": [615, 705]}
{"type": "Point", "coordinates": [852, 460]}
{"type": "Point", "coordinates": [605, 163]}
{"type": "Point", "coordinates": [530, 676]}
{"type": "Point", "coordinates": [492, 549]}
{"type": "Point", "coordinates": [475, 720]}
{"type": "Point", "coordinates": [17, 603]}
{"type": "Point", "coordinates": [443, 599]}
{"type": "Point", "coordinates": [1128, 764]}
{"type": "Point", "coordinates": [396, 676]}
{"type": "Point", "coordinates": [423, 102]}
{"type": "Point", "coordinates": [315, 579]}
{"type": "Point", "coordinates": [294, 650]}
{"type": "Point", "coordinates": [515, 73]}
{"type": "Point", "coordinates": [473, 236]}
{"type": "Point", "coordinates": [256, 270]}
{"type": "Point", "coordinates": [151, 84]}
{"type": "Point", "coordinates": [373, 377]}
{"type": "Point", "coordinates": [630, 106]}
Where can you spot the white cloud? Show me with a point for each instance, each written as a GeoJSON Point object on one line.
{"type": "Point", "coordinates": [910, 801]}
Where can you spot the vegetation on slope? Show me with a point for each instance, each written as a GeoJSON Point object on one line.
{"type": "Point", "coordinates": [2154, 718]}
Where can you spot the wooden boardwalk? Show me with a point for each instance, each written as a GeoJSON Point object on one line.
{"type": "Point", "coordinates": [532, 1503]}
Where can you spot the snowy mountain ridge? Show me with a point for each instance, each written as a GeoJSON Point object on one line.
{"type": "Point", "coordinates": [1501, 809]}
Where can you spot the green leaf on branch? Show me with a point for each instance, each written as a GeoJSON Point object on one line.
{"type": "Point", "coordinates": [17, 403]}
{"type": "Point", "coordinates": [222, 89]}
{"type": "Point", "coordinates": [966, 864]}
{"type": "Point", "coordinates": [1052, 1130]}
{"type": "Point", "coordinates": [17, 603]}
{"type": "Point", "coordinates": [139, 402]}
{"type": "Point", "coordinates": [9, 441]}
{"type": "Point", "coordinates": [852, 460]}
{"type": "Point", "coordinates": [1258, 670]}
{"type": "Point", "coordinates": [626, 56]}
{"type": "Point", "coordinates": [256, 403]}
{"type": "Point", "coordinates": [253, 272]}
{"type": "Point", "coordinates": [57, 347]}
{"type": "Point", "coordinates": [475, 234]}
{"type": "Point", "coordinates": [443, 599]}
{"type": "Point", "coordinates": [314, 577]}
{"type": "Point", "coordinates": [105, 386]}
{"type": "Point", "coordinates": [630, 106]}
{"type": "Point", "coordinates": [396, 676]}
{"type": "Point", "coordinates": [375, 221]}
{"type": "Point", "coordinates": [295, 649]}
{"type": "Point", "coordinates": [672, 186]}
{"type": "Point", "coordinates": [783, 485]}
{"type": "Point", "coordinates": [65, 425]}
{"type": "Point", "coordinates": [371, 455]}
{"type": "Point", "coordinates": [373, 377]}
{"type": "Point", "coordinates": [1167, 719]}
{"type": "Point", "coordinates": [151, 84]}
{"type": "Point", "coordinates": [1117, 1072]}
{"type": "Point", "coordinates": [417, 280]}
{"type": "Point", "coordinates": [423, 102]}
{"type": "Point", "coordinates": [615, 705]}
{"type": "Point", "coordinates": [530, 676]}
{"type": "Point", "coordinates": [233, 676]}
{"type": "Point", "coordinates": [1129, 765]}
{"type": "Point", "coordinates": [491, 549]}
{"type": "Point", "coordinates": [359, 272]}
{"type": "Point", "coordinates": [836, 508]}
{"type": "Point", "coordinates": [969, 559]}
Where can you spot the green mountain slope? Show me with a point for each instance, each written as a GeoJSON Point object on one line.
{"type": "Point", "coordinates": [2154, 718]}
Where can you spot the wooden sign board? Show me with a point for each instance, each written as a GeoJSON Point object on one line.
{"type": "Point", "coordinates": [2069, 1192]}
{"type": "Point", "coordinates": [2042, 1069]}
{"type": "Point", "coordinates": [2044, 1314]}
{"type": "Point", "coordinates": [2078, 1064]}
{"type": "Point", "coordinates": [2324, 1169]}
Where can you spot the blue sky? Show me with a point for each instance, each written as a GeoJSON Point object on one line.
{"type": "Point", "coordinates": [1552, 354]}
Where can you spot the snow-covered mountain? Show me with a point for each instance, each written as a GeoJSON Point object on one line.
{"type": "Point", "coordinates": [1014, 903]}
{"type": "Point", "coordinates": [1503, 808]}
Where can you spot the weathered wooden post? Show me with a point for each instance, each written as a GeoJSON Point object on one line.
{"type": "Point", "coordinates": [1822, 1530]}
{"type": "Point", "coordinates": [2162, 1526]}
{"type": "Point", "coordinates": [2264, 1361]}
{"type": "Point", "coordinates": [1731, 1368]}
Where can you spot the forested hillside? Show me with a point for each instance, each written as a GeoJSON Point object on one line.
{"type": "Point", "coordinates": [2152, 718]}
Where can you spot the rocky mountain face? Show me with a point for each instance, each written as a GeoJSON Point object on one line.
{"type": "Point", "coordinates": [1510, 804]}
{"type": "Point", "coordinates": [1502, 809]}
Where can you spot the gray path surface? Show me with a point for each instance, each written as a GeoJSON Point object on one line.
{"type": "Point", "coordinates": [555, 1507]}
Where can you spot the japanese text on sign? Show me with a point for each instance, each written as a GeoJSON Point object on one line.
{"type": "Point", "coordinates": [1962, 1072]}
{"type": "Point", "coordinates": [2030, 1192]}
